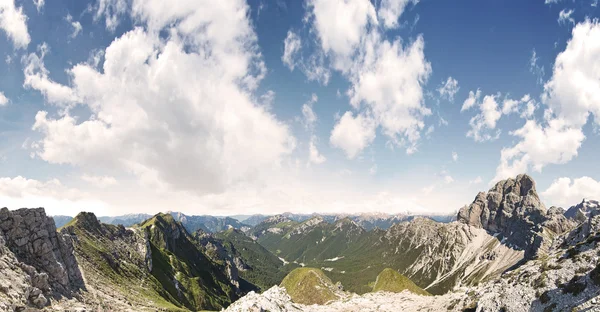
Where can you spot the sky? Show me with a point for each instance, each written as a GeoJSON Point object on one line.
{"type": "Point", "coordinates": [332, 106]}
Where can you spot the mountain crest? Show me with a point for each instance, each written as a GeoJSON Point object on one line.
{"type": "Point", "coordinates": [513, 210]}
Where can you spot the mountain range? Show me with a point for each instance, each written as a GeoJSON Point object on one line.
{"type": "Point", "coordinates": [503, 251]}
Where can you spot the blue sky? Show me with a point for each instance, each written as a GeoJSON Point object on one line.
{"type": "Point", "coordinates": [210, 107]}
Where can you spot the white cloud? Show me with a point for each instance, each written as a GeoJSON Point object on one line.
{"type": "Point", "coordinates": [310, 118]}
{"type": "Point", "coordinates": [177, 112]}
{"type": "Point", "coordinates": [471, 100]}
{"type": "Point", "coordinates": [14, 23]}
{"type": "Point", "coordinates": [509, 106]}
{"type": "Point", "coordinates": [3, 99]}
{"type": "Point", "coordinates": [21, 192]}
{"type": "Point", "coordinates": [551, 1]}
{"type": "Point", "coordinates": [353, 134]}
{"type": "Point", "coordinates": [113, 10]}
{"type": "Point", "coordinates": [39, 4]}
{"type": "Point", "coordinates": [75, 24]}
{"type": "Point", "coordinates": [566, 192]}
{"type": "Point", "coordinates": [454, 156]}
{"type": "Point", "coordinates": [536, 69]}
{"type": "Point", "coordinates": [565, 17]}
{"type": "Point", "coordinates": [373, 169]}
{"type": "Point", "coordinates": [486, 120]}
{"type": "Point", "coordinates": [292, 45]}
{"type": "Point", "coordinates": [99, 181]}
{"type": "Point", "coordinates": [36, 77]}
{"type": "Point", "coordinates": [573, 92]}
{"type": "Point", "coordinates": [386, 77]}
{"type": "Point", "coordinates": [314, 156]}
{"type": "Point", "coordinates": [477, 180]}
{"type": "Point", "coordinates": [554, 143]}
{"type": "Point", "coordinates": [483, 124]}
{"type": "Point", "coordinates": [389, 86]}
{"type": "Point", "coordinates": [390, 11]}
{"type": "Point", "coordinates": [341, 26]}
{"type": "Point", "coordinates": [448, 89]}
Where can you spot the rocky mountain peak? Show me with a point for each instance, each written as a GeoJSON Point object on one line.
{"type": "Point", "coordinates": [87, 221]}
{"type": "Point", "coordinates": [512, 209]}
{"type": "Point", "coordinates": [276, 219]}
{"type": "Point", "coordinates": [581, 212]}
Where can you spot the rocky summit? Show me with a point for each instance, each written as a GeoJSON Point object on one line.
{"type": "Point", "coordinates": [506, 251]}
{"type": "Point", "coordinates": [512, 210]}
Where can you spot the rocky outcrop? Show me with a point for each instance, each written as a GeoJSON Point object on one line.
{"type": "Point", "coordinates": [44, 254]}
{"type": "Point", "coordinates": [581, 212]}
{"type": "Point", "coordinates": [512, 210]}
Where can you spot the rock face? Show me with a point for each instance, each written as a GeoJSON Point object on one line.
{"type": "Point", "coordinates": [513, 210]}
{"type": "Point", "coordinates": [580, 212]}
{"type": "Point", "coordinates": [45, 255]}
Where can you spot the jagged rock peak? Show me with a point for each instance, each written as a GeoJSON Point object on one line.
{"type": "Point", "coordinates": [45, 255]}
{"type": "Point", "coordinates": [511, 208]}
{"type": "Point", "coordinates": [276, 219]}
{"type": "Point", "coordinates": [581, 212]}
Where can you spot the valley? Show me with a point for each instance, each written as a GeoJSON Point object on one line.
{"type": "Point", "coordinates": [505, 241]}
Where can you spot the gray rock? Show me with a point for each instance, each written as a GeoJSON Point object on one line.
{"type": "Point", "coordinates": [512, 209]}
{"type": "Point", "coordinates": [44, 254]}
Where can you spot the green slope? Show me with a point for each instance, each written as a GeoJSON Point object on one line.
{"type": "Point", "coordinates": [309, 286]}
{"type": "Point", "coordinates": [99, 249]}
{"type": "Point", "coordinates": [392, 281]}
{"type": "Point", "coordinates": [183, 270]}
{"type": "Point", "coordinates": [156, 265]}
{"type": "Point", "coordinates": [263, 269]}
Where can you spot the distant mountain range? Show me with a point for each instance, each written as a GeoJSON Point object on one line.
{"type": "Point", "coordinates": [215, 224]}
{"type": "Point", "coordinates": [505, 243]}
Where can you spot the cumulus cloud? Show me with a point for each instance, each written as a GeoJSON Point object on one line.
{"type": "Point", "coordinates": [482, 123]}
{"type": "Point", "coordinates": [540, 145]}
{"type": "Point", "coordinates": [341, 26]}
{"type": "Point", "coordinates": [291, 46]}
{"type": "Point", "coordinates": [448, 89]}
{"type": "Point", "coordinates": [14, 23]}
{"type": "Point", "coordinates": [179, 112]}
{"type": "Point", "coordinates": [113, 10]}
{"type": "Point", "coordinates": [386, 76]}
{"type": "Point", "coordinates": [573, 92]}
{"type": "Point", "coordinates": [75, 24]}
{"type": "Point", "coordinates": [3, 99]}
{"type": "Point", "coordinates": [353, 134]}
{"type": "Point", "coordinates": [566, 192]}
{"type": "Point", "coordinates": [454, 156]}
{"type": "Point", "coordinates": [572, 95]}
{"type": "Point", "coordinates": [390, 11]}
{"type": "Point", "coordinates": [36, 77]}
{"type": "Point", "coordinates": [314, 156]}
{"type": "Point", "coordinates": [471, 100]}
